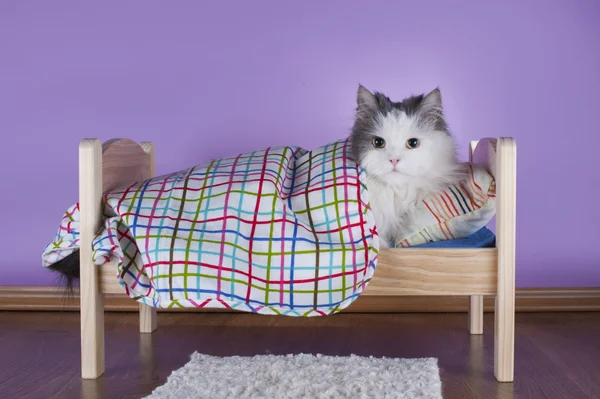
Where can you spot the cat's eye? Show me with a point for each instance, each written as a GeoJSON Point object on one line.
{"type": "Point", "coordinates": [378, 142]}
{"type": "Point", "coordinates": [412, 143]}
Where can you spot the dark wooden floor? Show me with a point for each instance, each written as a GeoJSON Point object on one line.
{"type": "Point", "coordinates": [557, 354]}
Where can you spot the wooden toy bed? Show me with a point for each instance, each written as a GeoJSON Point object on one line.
{"type": "Point", "coordinates": [472, 272]}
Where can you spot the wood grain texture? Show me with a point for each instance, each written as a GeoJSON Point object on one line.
{"type": "Point", "coordinates": [556, 353]}
{"type": "Point", "coordinates": [150, 150]}
{"type": "Point", "coordinates": [123, 162]}
{"type": "Point", "coordinates": [148, 319]}
{"type": "Point", "coordinates": [476, 314]}
{"type": "Point", "coordinates": [435, 271]}
{"type": "Point", "coordinates": [90, 211]}
{"type": "Point", "coordinates": [107, 275]}
{"type": "Point", "coordinates": [566, 299]}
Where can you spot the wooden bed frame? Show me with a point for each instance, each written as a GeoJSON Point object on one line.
{"type": "Point", "coordinates": [410, 271]}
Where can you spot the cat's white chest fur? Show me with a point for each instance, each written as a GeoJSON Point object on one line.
{"type": "Point", "coordinates": [394, 207]}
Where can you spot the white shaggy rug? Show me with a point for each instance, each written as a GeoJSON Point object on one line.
{"type": "Point", "coordinates": [302, 376]}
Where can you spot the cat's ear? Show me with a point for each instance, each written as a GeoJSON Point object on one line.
{"type": "Point", "coordinates": [431, 111]}
{"type": "Point", "coordinates": [365, 101]}
{"type": "Point", "coordinates": [432, 101]}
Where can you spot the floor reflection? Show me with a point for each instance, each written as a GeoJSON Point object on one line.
{"type": "Point", "coordinates": [93, 389]}
{"type": "Point", "coordinates": [480, 375]}
{"type": "Point", "coordinates": [147, 364]}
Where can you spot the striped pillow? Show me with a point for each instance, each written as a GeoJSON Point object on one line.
{"type": "Point", "coordinates": [457, 212]}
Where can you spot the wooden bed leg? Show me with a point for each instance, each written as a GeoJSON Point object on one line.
{"type": "Point", "coordinates": [147, 318]}
{"type": "Point", "coordinates": [92, 303]}
{"type": "Point", "coordinates": [476, 314]}
{"type": "Point", "coordinates": [504, 329]}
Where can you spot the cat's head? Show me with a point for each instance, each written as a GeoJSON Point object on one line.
{"type": "Point", "coordinates": [407, 141]}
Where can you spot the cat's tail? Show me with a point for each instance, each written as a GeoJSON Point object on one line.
{"type": "Point", "coordinates": [68, 270]}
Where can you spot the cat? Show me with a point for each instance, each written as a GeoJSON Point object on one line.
{"type": "Point", "coordinates": [407, 152]}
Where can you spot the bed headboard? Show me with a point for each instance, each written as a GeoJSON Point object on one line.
{"type": "Point", "coordinates": [104, 167]}
{"type": "Point", "coordinates": [124, 162]}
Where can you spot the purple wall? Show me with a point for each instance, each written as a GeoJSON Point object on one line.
{"type": "Point", "coordinates": [205, 81]}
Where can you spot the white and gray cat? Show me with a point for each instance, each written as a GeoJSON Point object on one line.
{"type": "Point", "coordinates": [407, 152]}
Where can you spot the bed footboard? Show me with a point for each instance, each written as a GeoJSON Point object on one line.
{"type": "Point", "coordinates": [500, 156]}
{"type": "Point", "coordinates": [506, 219]}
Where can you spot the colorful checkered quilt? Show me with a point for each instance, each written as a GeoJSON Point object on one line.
{"type": "Point", "coordinates": [280, 231]}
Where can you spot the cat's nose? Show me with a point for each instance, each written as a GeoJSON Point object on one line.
{"type": "Point", "coordinates": [394, 161]}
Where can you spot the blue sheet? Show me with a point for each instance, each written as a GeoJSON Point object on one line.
{"type": "Point", "coordinates": [481, 239]}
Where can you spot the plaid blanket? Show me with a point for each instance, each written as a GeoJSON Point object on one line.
{"type": "Point", "coordinates": [280, 231]}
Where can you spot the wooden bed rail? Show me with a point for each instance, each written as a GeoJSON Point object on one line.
{"type": "Point", "coordinates": [435, 271]}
